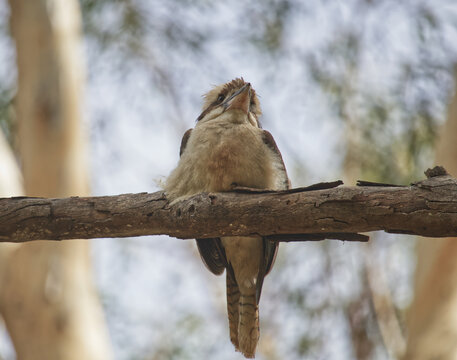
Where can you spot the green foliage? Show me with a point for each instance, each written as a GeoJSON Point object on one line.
{"type": "Point", "coordinates": [397, 126]}
{"type": "Point", "coordinates": [7, 119]}
{"type": "Point", "coordinates": [266, 24]}
{"type": "Point", "coordinates": [131, 25]}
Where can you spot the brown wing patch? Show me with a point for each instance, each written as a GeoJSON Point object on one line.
{"type": "Point", "coordinates": [184, 141]}
{"type": "Point", "coordinates": [271, 143]}
{"type": "Point", "coordinates": [270, 247]}
{"type": "Point", "coordinates": [212, 254]}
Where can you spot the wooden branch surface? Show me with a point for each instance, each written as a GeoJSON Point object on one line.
{"type": "Point", "coordinates": [426, 208]}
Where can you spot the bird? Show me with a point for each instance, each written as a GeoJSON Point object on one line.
{"type": "Point", "coordinates": [227, 149]}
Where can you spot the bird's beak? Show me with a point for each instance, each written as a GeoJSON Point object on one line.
{"type": "Point", "coordinates": [240, 100]}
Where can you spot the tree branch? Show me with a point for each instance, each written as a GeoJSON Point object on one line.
{"type": "Point", "coordinates": [426, 208]}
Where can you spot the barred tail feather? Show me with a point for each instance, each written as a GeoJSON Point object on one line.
{"type": "Point", "coordinates": [248, 331]}
{"type": "Point", "coordinates": [233, 300]}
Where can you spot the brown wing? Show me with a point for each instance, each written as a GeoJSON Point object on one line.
{"type": "Point", "coordinates": [184, 141]}
{"type": "Point", "coordinates": [280, 167]}
{"type": "Point", "coordinates": [213, 254]}
{"type": "Point", "coordinates": [271, 247]}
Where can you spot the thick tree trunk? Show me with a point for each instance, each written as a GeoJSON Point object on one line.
{"type": "Point", "coordinates": [47, 298]}
{"type": "Point", "coordinates": [432, 319]}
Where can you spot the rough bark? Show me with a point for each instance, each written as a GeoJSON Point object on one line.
{"type": "Point", "coordinates": [47, 298]}
{"type": "Point", "coordinates": [427, 208]}
{"type": "Point", "coordinates": [432, 318]}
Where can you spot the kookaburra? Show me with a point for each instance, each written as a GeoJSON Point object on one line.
{"type": "Point", "coordinates": [227, 148]}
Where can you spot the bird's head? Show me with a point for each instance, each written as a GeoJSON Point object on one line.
{"type": "Point", "coordinates": [234, 101]}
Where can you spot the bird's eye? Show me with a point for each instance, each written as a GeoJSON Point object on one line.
{"type": "Point", "coordinates": [220, 98]}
